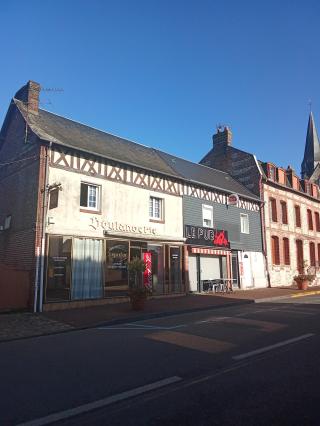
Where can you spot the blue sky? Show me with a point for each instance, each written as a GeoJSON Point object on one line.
{"type": "Point", "coordinates": [165, 73]}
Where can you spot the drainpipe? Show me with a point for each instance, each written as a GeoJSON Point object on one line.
{"type": "Point", "coordinates": [44, 222]}
{"type": "Point", "coordinates": [263, 229]}
{"type": "Point", "coordinates": [36, 283]}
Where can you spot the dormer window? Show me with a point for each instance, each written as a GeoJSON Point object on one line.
{"type": "Point", "coordinates": [271, 172]}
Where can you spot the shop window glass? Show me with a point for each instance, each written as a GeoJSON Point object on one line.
{"type": "Point", "coordinates": [116, 272]}
{"type": "Point", "coordinates": [58, 269]}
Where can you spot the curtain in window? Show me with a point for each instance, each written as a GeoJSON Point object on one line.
{"type": "Point", "coordinates": [86, 269]}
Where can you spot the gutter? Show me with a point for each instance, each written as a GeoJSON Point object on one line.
{"type": "Point", "coordinates": [263, 228]}
{"type": "Point", "coordinates": [43, 231]}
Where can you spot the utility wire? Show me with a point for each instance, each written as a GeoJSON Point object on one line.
{"type": "Point", "coordinates": [18, 161]}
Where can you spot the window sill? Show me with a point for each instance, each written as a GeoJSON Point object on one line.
{"type": "Point", "coordinates": [156, 220]}
{"type": "Point", "coordinates": [90, 211]}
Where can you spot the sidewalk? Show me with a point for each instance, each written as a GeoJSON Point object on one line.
{"type": "Point", "coordinates": [22, 325]}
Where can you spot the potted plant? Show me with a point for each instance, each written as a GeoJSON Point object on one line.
{"type": "Point", "coordinates": [305, 278]}
{"type": "Point", "coordinates": [138, 292]}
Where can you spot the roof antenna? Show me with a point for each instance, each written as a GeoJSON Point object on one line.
{"type": "Point", "coordinates": [310, 105]}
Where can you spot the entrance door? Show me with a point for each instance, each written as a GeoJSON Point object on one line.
{"type": "Point", "coordinates": [299, 256]}
{"type": "Point", "coordinates": [193, 273]}
{"type": "Point", "coordinates": [247, 271]}
{"type": "Point", "coordinates": [235, 270]}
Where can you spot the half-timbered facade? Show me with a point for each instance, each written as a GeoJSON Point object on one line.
{"type": "Point", "coordinates": [95, 202]}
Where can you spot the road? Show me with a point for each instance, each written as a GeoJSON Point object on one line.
{"type": "Point", "coordinates": [245, 365]}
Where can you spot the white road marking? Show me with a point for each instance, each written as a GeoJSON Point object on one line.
{"type": "Point", "coordinates": [101, 402]}
{"type": "Point", "coordinates": [269, 348]}
{"type": "Point", "coordinates": [141, 327]}
{"type": "Point", "coordinates": [298, 312]}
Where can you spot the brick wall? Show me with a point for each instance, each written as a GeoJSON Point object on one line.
{"type": "Point", "coordinates": [283, 274]}
{"type": "Point", "coordinates": [19, 192]}
{"type": "Point", "coordinates": [239, 164]}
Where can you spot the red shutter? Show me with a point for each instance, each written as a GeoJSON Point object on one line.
{"type": "Point", "coordinates": [284, 212]}
{"type": "Point", "coordinates": [312, 254]}
{"type": "Point", "coordinates": [298, 216]}
{"type": "Point", "coordinates": [310, 222]}
{"type": "Point", "coordinates": [286, 251]}
{"type": "Point", "coordinates": [275, 250]}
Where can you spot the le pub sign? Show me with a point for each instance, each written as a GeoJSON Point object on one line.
{"type": "Point", "coordinates": [201, 236]}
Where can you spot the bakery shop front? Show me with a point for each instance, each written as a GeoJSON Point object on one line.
{"type": "Point", "coordinates": [209, 257]}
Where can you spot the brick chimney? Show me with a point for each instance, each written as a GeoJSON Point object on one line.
{"type": "Point", "coordinates": [223, 137]}
{"type": "Point", "coordinates": [29, 94]}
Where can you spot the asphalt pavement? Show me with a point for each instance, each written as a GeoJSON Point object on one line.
{"type": "Point", "coordinates": [243, 365]}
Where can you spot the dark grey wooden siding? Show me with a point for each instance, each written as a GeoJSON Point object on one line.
{"type": "Point", "coordinates": [227, 218]}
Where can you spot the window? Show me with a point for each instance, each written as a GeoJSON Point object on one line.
{"type": "Point", "coordinates": [271, 172]}
{"type": "Point", "coordinates": [275, 250]}
{"type": "Point", "coordinates": [298, 216]}
{"type": "Point", "coordinates": [156, 208]}
{"type": "Point", "coordinates": [300, 261]}
{"type": "Point", "coordinates": [54, 198]}
{"type": "Point", "coordinates": [317, 221]}
{"type": "Point", "coordinates": [310, 222]}
{"type": "Point", "coordinates": [59, 268]}
{"type": "Point", "coordinates": [318, 254]}
{"type": "Point", "coordinates": [90, 196]}
{"type": "Point", "coordinates": [286, 251]}
{"type": "Point", "coordinates": [244, 223]}
{"type": "Point", "coordinates": [7, 222]}
{"type": "Point", "coordinates": [207, 215]}
{"type": "Point", "coordinates": [273, 205]}
{"type": "Point", "coordinates": [284, 212]}
{"type": "Point", "coordinates": [312, 253]}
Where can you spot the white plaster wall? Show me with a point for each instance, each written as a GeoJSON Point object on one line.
{"type": "Point", "coordinates": [126, 204]}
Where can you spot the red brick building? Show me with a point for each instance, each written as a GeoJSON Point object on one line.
{"type": "Point", "coordinates": [291, 210]}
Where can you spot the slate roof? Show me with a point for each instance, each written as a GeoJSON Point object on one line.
{"type": "Point", "coordinates": [206, 176]}
{"type": "Point", "coordinates": [71, 134]}
{"type": "Point", "coordinates": [312, 149]}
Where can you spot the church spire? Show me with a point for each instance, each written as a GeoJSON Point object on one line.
{"type": "Point", "coordinates": [311, 151]}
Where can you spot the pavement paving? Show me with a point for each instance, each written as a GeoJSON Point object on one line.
{"type": "Point", "coordinates": [23, 325]}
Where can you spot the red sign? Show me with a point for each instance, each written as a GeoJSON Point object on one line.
{"type": "Point", "coordinates": [147, 275]}
{"type": "Point", "coordinates": [233, 199]}
{"type": "Point", "coordinates": [220, 239]}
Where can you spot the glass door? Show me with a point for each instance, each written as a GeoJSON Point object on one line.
{"type": "Point", "coordinates": [157, 267]}
{"type": "Point", "coordinates": [175, 269]}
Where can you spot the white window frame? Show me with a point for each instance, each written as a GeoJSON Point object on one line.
{"type": "Point", "coordinates": [244, 226]}
{"type": "Point", "coordinates": [98, 196]}
{"type": "Point", "coordinates": [152, 201]}
{"type": "Point", "coordinates": [206, 207]}
{"type": "Point", "coordinates": [7, 222]}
